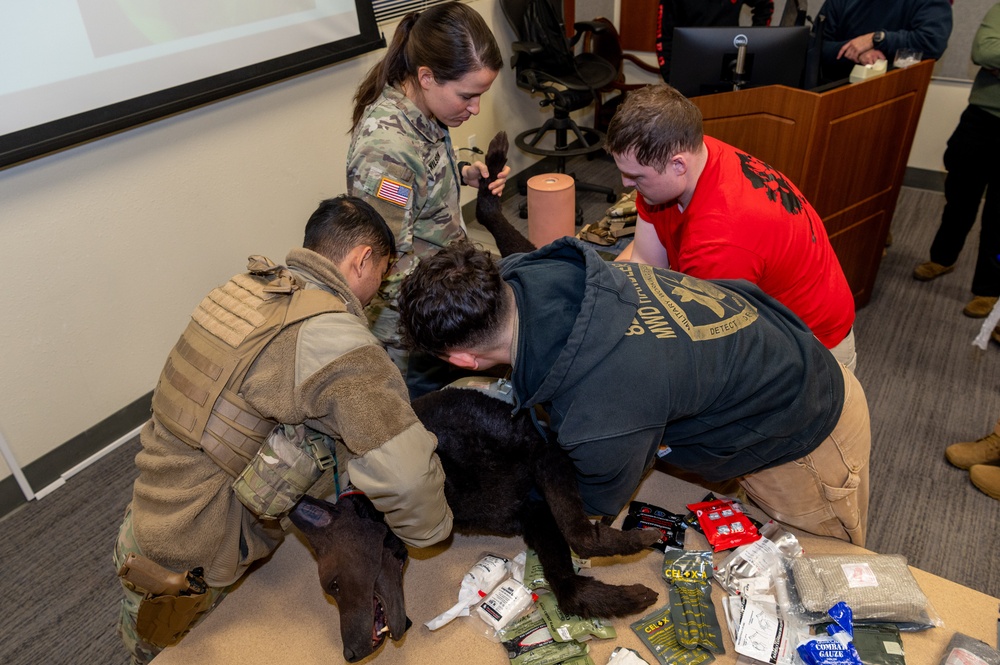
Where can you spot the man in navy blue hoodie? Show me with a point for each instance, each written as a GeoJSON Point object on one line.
{"type": "Point", "coordinates": [632, 362]}
{"type": "Point", "coordinates": [863, 31]}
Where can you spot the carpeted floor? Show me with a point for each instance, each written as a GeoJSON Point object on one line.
{"type": "Point", "coordinates": [927, 386]}
{"type": "Point", "coordinates": [58, 590]}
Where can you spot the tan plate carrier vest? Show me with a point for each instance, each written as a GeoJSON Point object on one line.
{"type": "Point", "coordinates": [197, 396]}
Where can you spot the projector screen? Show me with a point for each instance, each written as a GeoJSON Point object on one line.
{"type": "Point", "coordinates": [74, 70]}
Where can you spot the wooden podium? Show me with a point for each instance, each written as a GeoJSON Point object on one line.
{"type": "Point", "coordinates": [845, 149]}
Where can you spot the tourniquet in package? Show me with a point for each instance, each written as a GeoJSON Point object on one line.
{"type": "Point", "coordinates": [647, 516]}
{"type": "Point", "coordinates": [529, 642]}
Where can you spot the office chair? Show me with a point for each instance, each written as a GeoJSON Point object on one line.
{"type": "Point", "coordinates": [545, 62]}
{"type": "Point", "coordinates": [607, 44]}
{"type": "Point", "coordinates": [794, 14]}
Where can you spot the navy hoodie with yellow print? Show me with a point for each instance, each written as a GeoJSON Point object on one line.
{"type": "Point", "coordinates": [629, 360]}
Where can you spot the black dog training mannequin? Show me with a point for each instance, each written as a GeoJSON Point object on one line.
{"type": "Point", "coordinates": [501, 478]}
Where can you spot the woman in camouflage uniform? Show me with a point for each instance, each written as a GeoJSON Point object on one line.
{"type": "Point", "coordinates": [401, 159]}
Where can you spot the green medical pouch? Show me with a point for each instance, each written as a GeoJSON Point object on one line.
{"type": "Point", "coordinates": [656, 630]}
{"type": "Point", "coordinates": [282, 471]}
{"type": "Point", "coordinates": [529, 642]}
{"type": "Point", "coordinates": [566, 627]}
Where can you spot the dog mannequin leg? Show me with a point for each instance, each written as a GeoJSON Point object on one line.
{"type": "Point", "coordinates": [583, 596]}
{"type": "Point", "coordinates": [556, 476]}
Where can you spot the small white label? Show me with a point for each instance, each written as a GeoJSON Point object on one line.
{"type": "Point", "coordinates": [859, 575]}
{"type": "Point", "coordinates": [488, 573]}
{"type": "Point", "coordinates": [624, 656]}
{"type": "Point", "coordinates": [761, 554]}
{"type": "Point", "coordinates": [893, 648]}
{"type": "Point", "coordinates": [505, 603]}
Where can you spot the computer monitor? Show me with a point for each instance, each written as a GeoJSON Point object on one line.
{"type": "Point", "coordinates": [705, 58]}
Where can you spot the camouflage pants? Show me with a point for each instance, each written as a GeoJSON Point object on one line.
{"type": "Point", "coordinates": [142, 651]}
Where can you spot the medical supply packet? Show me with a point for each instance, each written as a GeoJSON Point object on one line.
{"type": "Point", "coordinates": [724, 523]}
{"type": "Point", "coordinates": [656, 631]}
{"type": "Point", "coordinates": [836, 646]}
{"type": "Point", "coordinates": [565, 627]}
{"type": "Point", "coordinates": [529, 642]}
{"type": "Point", "coordinates": [647, 516]}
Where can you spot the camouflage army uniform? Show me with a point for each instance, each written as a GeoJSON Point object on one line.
{"type": "Point", "coordinates": [402, 163]}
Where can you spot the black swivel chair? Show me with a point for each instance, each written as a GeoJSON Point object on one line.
{"type": "Point", "coordinates": [545, 62]}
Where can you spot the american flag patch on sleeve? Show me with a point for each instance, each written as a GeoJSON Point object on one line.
{"type": "Point", "coordinates": [393, 192]}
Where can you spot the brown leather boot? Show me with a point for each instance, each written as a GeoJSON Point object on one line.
{"type": "Point", "coordinates": [980, 307]}
{"type": "Point", "coordinates": [925, 272]}
{"type": "Point", "coordinates": [986, 478]}
{"type": "Point", "coordinates": [969, 453]}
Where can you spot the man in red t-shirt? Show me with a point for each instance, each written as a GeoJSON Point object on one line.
{"type": "Point", "coordinates": [712, 211]}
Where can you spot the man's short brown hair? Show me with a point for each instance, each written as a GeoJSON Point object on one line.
{"type": "Point", "coordinates": [654, 124]}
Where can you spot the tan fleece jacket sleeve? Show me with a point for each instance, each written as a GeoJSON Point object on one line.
{"type": "Point", "coordinates": [404, 479]}
{"type": "Point", "coordinates": [350, 389]}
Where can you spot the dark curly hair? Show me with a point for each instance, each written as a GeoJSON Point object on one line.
{"type": "Point", "coordinates": [455, 299]}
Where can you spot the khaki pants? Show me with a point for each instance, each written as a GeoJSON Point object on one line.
{"type": "Point", "coordinates": [825, 492]}
{"type": "Point", "coordinates": [846, 353]}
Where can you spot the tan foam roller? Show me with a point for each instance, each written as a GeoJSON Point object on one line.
{"type": "Point", "coordinates": [551, 207]}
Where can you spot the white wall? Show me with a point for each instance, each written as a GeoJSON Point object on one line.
{"type": "Point", "coordinates": [943, 106]}
{"type": "Point", "coordinates": [107, 247]}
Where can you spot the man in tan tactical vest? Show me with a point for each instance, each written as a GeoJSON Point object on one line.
{"type": "Point", "coordinates": [275, 375]}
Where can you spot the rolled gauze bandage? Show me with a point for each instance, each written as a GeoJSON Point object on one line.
{"type": "Point", "coordinates": [476, 585]}
{"type": "Point", "coordinates": [551, 207]}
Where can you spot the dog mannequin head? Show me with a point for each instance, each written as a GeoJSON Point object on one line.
{"type": "Point", "coordinates": [360, 565]}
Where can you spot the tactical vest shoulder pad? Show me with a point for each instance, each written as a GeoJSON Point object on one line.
{"type": "Point", "coordinates": [197, 395]}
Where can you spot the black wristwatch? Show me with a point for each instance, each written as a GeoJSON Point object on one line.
{"type": "Point", "coordinates": [877, 38]}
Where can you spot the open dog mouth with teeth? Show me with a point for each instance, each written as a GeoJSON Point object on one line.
{"type": "Point", "coordinates": [381, 624]}
{"type": "Point", "coordinates": [379, 628]}
{"type": "Point", "coordinates": [361, 560]}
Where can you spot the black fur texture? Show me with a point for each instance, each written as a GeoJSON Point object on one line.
{"type": "Point", "coordinates": [489, 209]}
{"type": "Point", "coordinates": [360, 565]}
{"type": "Point", "coordinates": [502, 477]}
